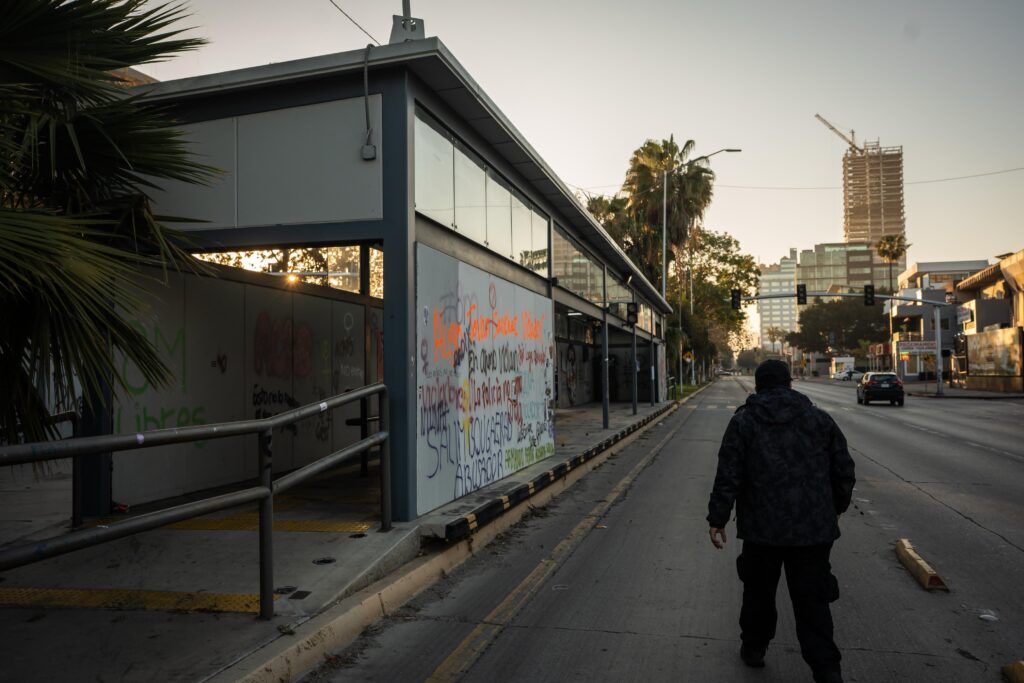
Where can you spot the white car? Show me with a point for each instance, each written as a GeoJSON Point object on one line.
{"type": "Point", "coordinates": [848, 375]}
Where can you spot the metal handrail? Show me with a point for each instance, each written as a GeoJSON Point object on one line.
{"type": "Point", "coordinates": [263, 494]}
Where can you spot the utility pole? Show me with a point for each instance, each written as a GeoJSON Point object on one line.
{"type": "Point", "coordinates": [664, 230]}
{"type": "Point", "coordinates": [693, 359]}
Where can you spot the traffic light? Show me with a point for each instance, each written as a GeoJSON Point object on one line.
{"type": "Point", "coordinates": [869, 295]}
{"type": "Point", "coordinates": [801, 295]}
{"type": "Point", "coordinates": [631, 313]}
{"type": "Point", "coordinates": [737, 299]}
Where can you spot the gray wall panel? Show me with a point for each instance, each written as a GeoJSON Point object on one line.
{"type": "Point", "coordinates": [303, 165]}
{"type": "Point", "coordinates": [213, 143]}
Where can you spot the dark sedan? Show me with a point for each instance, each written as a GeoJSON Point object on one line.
{"type": "Point", "coordinates": [880, 386]}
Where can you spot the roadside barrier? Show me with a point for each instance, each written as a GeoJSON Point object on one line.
{"type": "Point", "coordinates": [919, 569]}
{"type": "Point", "coordinates": [263, 494]}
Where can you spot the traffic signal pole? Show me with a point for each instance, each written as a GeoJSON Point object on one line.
{"type": "Point", "coordinates": [936, 313]}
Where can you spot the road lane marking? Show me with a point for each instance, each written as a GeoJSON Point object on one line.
{"type": "Point", "coordinates": [486, 632]}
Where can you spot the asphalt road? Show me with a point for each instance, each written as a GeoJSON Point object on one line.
{"type": "Point", "coordinates": [581, 591]}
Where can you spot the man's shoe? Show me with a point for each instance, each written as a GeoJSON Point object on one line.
{"type": "Point", "coordinates": [752, 656]}
{"type": "Point", "coordinates": [828, 677]}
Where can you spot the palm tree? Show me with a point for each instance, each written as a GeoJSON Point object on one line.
{"type": "Point", "coordinates": [641, 243]}
{"type": "Point", "coordinates": [775, 334]}
{"type": "Point", "coordinates": [656, 165]}
{"type": "Point", "coordinates": [77, 156]}
{"type": "Point", "coordinates": [892, 248]}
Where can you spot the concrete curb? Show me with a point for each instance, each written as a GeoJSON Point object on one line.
{"type": "Point", "coordinates": [486, 512]}
{"type": "Point", "coordinates": [921, 570]}
{"type": "Point", "coordinates": [286, 659]}
{"type": "Point", "coordinates": [967, 398]}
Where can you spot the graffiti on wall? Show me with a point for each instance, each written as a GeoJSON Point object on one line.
{"type": "Point", "coordinates": [144, 408]}
{"type": "Point", "coordinates": [484, 379]}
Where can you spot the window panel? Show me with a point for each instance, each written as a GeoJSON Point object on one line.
{"type": "Point", "coordinates": [522, 230]}
{"type": "Point", "coordinates": [470, 197]}
{"type": "Point", "coordinates": [343, 268]}
{"type": "Point", "coordinates": [434, 174]}
{"type": "Point", "coordinates": [377, 273]}
{"type": "Point", "coordinates": [499, 216]}
{"type": "Point", "coordinates": [538, 260]}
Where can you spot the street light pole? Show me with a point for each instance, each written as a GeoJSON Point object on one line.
{"type": "Point", "coordinates": [937, 312]}
{"type": "Point", "coordinates": [664, 237]}
{"type": "Point", "coordinates": [664, 211]}
{"type": "Point", "coordinates": [693, 358]}
{"type": "Point", "coordinates": [664, 230]}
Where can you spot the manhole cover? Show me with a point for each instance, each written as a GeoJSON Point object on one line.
{"type": "Point", "coordinates": [324, 560]}
{"type": "Point", "coordinates": [284, 590]}
{"type": "Point", "coordinates": [360, 535]}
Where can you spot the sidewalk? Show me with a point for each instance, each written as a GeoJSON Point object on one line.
{"type": "Point", "coordinates": [179, 603]}
{"type": "Point", "coordinates": [921, 389]}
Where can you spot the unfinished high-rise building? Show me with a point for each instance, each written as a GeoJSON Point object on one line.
{"type": "Point", "coordinates": [872, 193]}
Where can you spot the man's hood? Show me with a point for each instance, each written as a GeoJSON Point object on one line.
{"type": "Point", "coordinates": [779, 405]}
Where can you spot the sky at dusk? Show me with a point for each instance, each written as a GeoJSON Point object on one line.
{"type": "Point", "coordinates": [586, 82]}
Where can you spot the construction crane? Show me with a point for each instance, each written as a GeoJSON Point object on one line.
{"type": "Point", "coordinates": [849, 140]}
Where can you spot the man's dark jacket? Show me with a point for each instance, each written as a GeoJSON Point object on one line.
{"type": "Point", "coordinates": [785, 464]}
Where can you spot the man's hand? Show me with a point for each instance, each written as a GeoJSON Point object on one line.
{"type": "Point", "coordinates": [717, 537]}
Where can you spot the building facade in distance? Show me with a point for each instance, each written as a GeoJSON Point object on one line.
{"type": "Point", "coordinates": [913, 324]}
{"type": "Point", "coordinates": [841, 267]}
{"type": "Point", "coordinates": [777, 278]}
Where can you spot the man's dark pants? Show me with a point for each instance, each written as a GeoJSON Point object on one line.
{"type": "Point", "coordinates": [811, 588]}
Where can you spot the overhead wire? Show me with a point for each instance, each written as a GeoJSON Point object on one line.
{"type": "Point", "coordinates": [835, 187]}
{"type": "Point", "coordinates": [338, 7]}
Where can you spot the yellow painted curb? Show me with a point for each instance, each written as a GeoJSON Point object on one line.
{"type": "Point", "coordinates": [1014, 672]}
{"type": "Point", "coordinates": [921, 570]}
{"type": "Point", "coordinates": [104, 598]}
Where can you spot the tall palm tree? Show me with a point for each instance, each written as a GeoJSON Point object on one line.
{"type": "Point", "coordinates": [775, 334]}
{"type": "Point", "coordinates": [655, 165]}
{"type": "Point", "coordinates": [892, 248]}
{"type": "Point", "coordinates": [77, 156]}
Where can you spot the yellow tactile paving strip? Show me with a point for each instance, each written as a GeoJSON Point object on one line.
{"type": "Point", "coordinates": [106, 598]}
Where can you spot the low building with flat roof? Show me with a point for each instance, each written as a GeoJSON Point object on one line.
{"type": "Point", "coordinates": [377, 218]}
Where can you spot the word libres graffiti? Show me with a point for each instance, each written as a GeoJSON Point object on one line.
{"type": "Point", "coordinates": [485, 379]}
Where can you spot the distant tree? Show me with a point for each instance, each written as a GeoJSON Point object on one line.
{"type": "Point", "coordinates": [775, 334]}
{"type": "Point", "coordinates": [78, 156]}
{"type": "Point", "coordinates": [892, 248]}
{"type": "Point", "coordinates": [839, 326]}
{"type": "Point", "coordinates": [748, 359]}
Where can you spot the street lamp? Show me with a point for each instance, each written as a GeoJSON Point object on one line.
{"type": "Point", "coordinates": [664, 212]}
{"type": "Point", "coordinates": [664, 240]}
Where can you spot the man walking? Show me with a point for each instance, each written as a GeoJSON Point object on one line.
{"type": "Point", "coordinates": [785, 465]}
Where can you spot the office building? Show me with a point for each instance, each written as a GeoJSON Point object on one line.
{"type": "Point", "coordinates": [777, 314]}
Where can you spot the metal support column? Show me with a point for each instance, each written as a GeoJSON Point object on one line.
{"type": "Point", "coordinates": [654, 374]}
{"type": "Point", "coordinates": [266, 527]}
{"type": "Point", "coordinates": [364, 404]}
{"type": "Point", "coordinates": [634, 369]}
{"type": "Point", "coordinates": [937, 312]}
{"type": "Point", "coordinates": [385, 464]}
{"type": "Point", "coordinates": [604, 350]}
{"type": "Point", "coordinates": [76, 480]}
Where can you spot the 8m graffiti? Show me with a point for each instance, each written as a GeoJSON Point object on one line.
{"type": "Point", "coordinates": [153, 408]}
{"type": "Point", "coordinates": [485, 380]}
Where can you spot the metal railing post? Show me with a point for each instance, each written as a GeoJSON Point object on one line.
{"type": "Point", "coordinates": [76, 481]}
{"type": "Point", "coordinates": [385, 462]}
{"type": "Point", "coordinates": [266, 440]}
